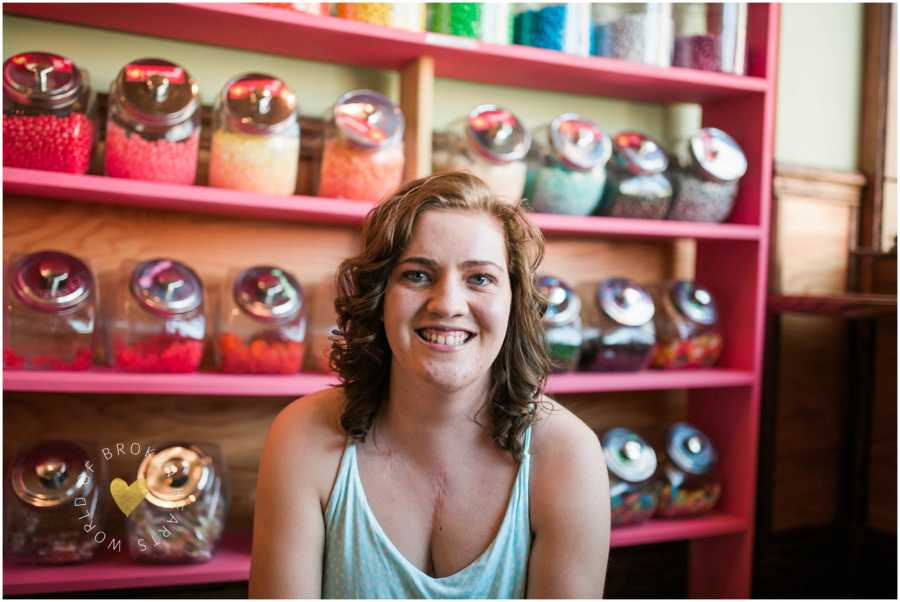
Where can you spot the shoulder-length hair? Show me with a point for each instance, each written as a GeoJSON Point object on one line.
{"type": "Point", "coordinates": [360, 353]}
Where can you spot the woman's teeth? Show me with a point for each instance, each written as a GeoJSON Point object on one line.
{"type": "Point", "coordinates": [444, 337]}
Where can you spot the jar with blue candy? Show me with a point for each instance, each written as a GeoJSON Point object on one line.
{"type": "Point", "coordinates": [561, 322]}
{"type": "Point", "coordinates": [633, 486]}
{"type": "Point", "coordinates": [638, 186]}
{"type": "Point", "coordinates": [567, 166]}
{"type": "Point", "coordinates": [619, 335]}
{"type": "Point", "coordinates": [691, 484]}
{"type": "Point", "coordinates": [566, 27]}
{"type": "Point", "coordinates": [706, 181]}
{"type": "Point", "coordinates": [603, 15]}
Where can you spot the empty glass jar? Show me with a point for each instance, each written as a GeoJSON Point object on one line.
{"type": "Point", "coordinates": [256, 138]}
{"type": "Point", "coordinates": [687, 326]}
{"type": "Point", "coordinates": [633, 486]}
{"type": "Point", "coordinates": [567, 166]}
{"type": "Point", "coordinates": [262, 323]}
{"type": "Point", "coordinates": [711, 37]}
{"type": "Point", "coordinates": [638, 187]}
{"type": "Point", "coordinates": [153, 126]}
{"type": "Point", "coordinates": [51, 301]}
{"type": "Point", "coordinates": [183, 514]}
{"type": "Point", "coordinates": [47, 120]}
{"type": "Point", "coordinates": [362, 157]}
{"type": "Point", "coordinates": [53, 491]}
{"type": "Point", "coordinates": [490, 143]}
{"type": "Point", "coordinates": [561, 322]}
{"type": "Point", "coordinates": [159, 320]}
{"type": "Point", "coordinates": [706, 182]}
{"type": "Point", "coordinates": [618, 335]}
{"type": "Point", "coordinates": [691, 484]}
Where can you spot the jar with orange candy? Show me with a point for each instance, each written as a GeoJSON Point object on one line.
{"type": "Point", "coordinates": [688, 334]}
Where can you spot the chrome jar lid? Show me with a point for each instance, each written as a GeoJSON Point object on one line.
{"type": "Point", "coordinates": [268, 293]}
{"type": "Point", "coordinates": [166, 287]}
{"type": "Point", "coordinates": [564, 305]}
{"type": "Point", "coordinates": [51, 474]}
{"type": "Point", "coordinates": [689, 449]}
{"type": "Point", "coordinates": [43, 80]}
{"type": "Point", "coordinates": [51, 281]}
{"type": "Point", "coordinates": [627, 455]}
{"type": "Point", "coordinates": [625, 302]}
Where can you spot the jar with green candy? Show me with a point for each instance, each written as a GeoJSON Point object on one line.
{"type": "Point", "coordinates": [456, 18]}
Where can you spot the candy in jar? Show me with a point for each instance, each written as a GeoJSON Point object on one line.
{"type": "Point", "coordinates": [567, 166]}
{"type": "Point", "coordinates": [638, 187]}
{"type": "Point", "coordinates": [691, 484]}
{"type": "Point", "coordinates": [183, 513]}
{"type": "Point", "coordinates": [565, 26]}
{"type": "Point", "coordinates": [687, 326]}
{"type": "Point", "coordinates": [462, 19]}
{"type": "Point", "coordinates": [407, 15]}
{"type": "Point", "coordinates": [53, 491]}
{"type": "Point", "coordinates": [262, 323]}
{"type": "Point", "coordinates": [159, 321]}
{"type": "Point", "coordinates": [706, 182]}
{"type": "Point", "coordinates": [618, 333]}
{"type": "Point", "coordinates": [153, 126]}
{"type": "Point", "coordinates": [362, 157]}
{"type": "Point", "coordinates": [256, 138]}
{"type": "Point", "coordinates": [640, 32]}
{"type": "Point", "coordinates": [50, 308]}
{"type": "Point", "coordinates": [561, 322]}
{"type": "Point", "coordinates": [711, 36]}
{"type": "Point", "coordinates": [490, 143]}
{"type": "Point", "coordinates": [633, 486]}
{"type": "Point", "coordinates": [47, 122]}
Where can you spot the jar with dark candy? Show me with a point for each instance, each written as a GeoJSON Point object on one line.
{"type": "Point", "coordinates": [633, 486]}
{"type": "Point", "coordinates": [159, 320]}
{"type": "Point", "coordinates": [706, 183]}
{"type": "Point", "coordinates": [567, 166]}
{"type": "Point", "coordinates": [50, 305]}
{"type": "Point", "coordinates": [638, 186]}
{"type": "Point", "coordinates": [687, 326]}
{"type": "Point", "coordinates": [691, 484]}
{"type": "Point", "coordinates": [47, 119]}
{"type": "Point", "coordinates": [153, 125]}
{"type": "Point", "coordinates": [262, 323]}
{"type": "Point", "coordinates": [618, 334]}
{"type": "Point", "coordinates": [53, 490]}
{"type": "Point", "coordinates": [561, 322]}
{"type": "Point", "coordinates": [711, 37]}
{"type": "Point", "coordinates": [183, 514]}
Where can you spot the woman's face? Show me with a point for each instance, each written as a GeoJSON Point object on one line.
{"type": "Point", "coordinates": [447, 302]}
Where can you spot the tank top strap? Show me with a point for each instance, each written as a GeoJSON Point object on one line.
{"type": "Point", "coordinates": [526, 443]}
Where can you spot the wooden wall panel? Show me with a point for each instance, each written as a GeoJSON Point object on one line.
{"type": "Point", "coordinates": [883, 471]}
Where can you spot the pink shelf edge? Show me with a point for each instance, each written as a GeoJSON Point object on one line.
{"type": "Point", "coordinates": [232, 561]}
{"type": "Point", "coordinates": [205, 199]}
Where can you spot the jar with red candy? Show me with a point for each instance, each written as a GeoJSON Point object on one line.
{"type": "Point", "coordinates": [159, 321]}
{"type": "Point", "coordinates": [691, 484]}
{"type": "Point", "coordinates": [633, 484]}
{"type": "Point", "coordinates": [687, 326]}
{"type": "Point", "coordinates": [47, 121]}
{"type": "Point", "coordinates": [362, 158]}
{"type": "Point", "coordinates": [50, 303]}
{"type": "Point", "coordinates": [618, 335]}
{"type": "Point", "coordinates": [711, 36]}
{"type": "Point", "coordinates": [262, 323]}
{"type": "Point", "coordinates": [153, 123]}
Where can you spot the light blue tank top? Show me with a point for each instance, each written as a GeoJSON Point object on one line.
{"type": "Point", "coordinates": [361, 562]}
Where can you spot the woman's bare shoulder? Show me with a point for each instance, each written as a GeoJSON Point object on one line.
{"type": "Point", "coordinates": [556, 427]}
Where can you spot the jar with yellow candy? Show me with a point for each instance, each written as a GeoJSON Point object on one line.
{"type": "Point", "coordinates": [256, 138]}
{"type": "Point", "coordinates": [691, 484]}
{"type": "Point", "coordinates": [408, 15]}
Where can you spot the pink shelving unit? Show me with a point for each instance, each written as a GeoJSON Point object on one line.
{"type": "Point", "coordinates": [731, 258]}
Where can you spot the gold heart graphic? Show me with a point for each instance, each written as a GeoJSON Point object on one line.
{"type": "Point", "coordinates": [127, 496]}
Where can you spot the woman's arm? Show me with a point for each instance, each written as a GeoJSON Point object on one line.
{"type": "Point", "coordinates": [570, 515]}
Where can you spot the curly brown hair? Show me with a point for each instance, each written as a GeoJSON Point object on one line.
{"type": "Point", "coordinates": [360, 353]}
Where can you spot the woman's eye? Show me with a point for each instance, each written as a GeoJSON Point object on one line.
{"type": "Point", "coordinates": [482, 279]}
{"type": "Point", "coordinates": [415, 276]}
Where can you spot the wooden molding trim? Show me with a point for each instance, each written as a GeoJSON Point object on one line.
{"type": "Point", "coordinates": [816, 184]}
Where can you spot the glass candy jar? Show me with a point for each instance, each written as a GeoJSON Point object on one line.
{"type": "Point", "coordinates": [262, 323]}
{"type": "Point", "coordinates": [159, 322]}
{"type": "Point", "coordinates": [323, 323]}
{"type": "Point", "coordinates": [633, 486]}
{"type": "Point", "coordinates": [618, 335]}
{"type": "Point", "coordinates": [183, 514]}
{"type": "Point", "coordinates": [409, 15]}
{"type": "Point", "coordinates": [567, 166]}
{"type": "Point", "coordinates": [490, 143]}
{"type": "Point", "coordinates": [687, 326]}
{"type": "Point", "coordinates": [638, 187]}
{"type": "Point", "coordinates": [54, 491]}
{"type": "Point", "coordinates": [462, 19]}
{"type": "Point", "coordinates": [640, 33]}
{"type": "Point", "coordinates": [153, 126]}
{"type": "Point", "coordinates": [706, 183]}
{"type": "Point", "coordinates": [561, 322]}
{"type": "Point", "coordinates": [691, 484]}
{"type": "Point", "coordinates": [46, 119]}
{"type": "Point", "coordinates": [565, 27]}
{"type": "Point", "coordinates": [256, 137]}
{"type": "Point", "coordinates": [711, 37]}
{"type": "Point", "coordinates": [51, 300]}
{"type": "Point", "coordinates": [362, 157]}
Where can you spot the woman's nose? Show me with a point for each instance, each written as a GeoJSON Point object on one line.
{"type": "Point", "coordinates": [448, 298]}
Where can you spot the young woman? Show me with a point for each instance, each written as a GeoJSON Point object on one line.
{"type": "Point", "coordinates": [437, 469]}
